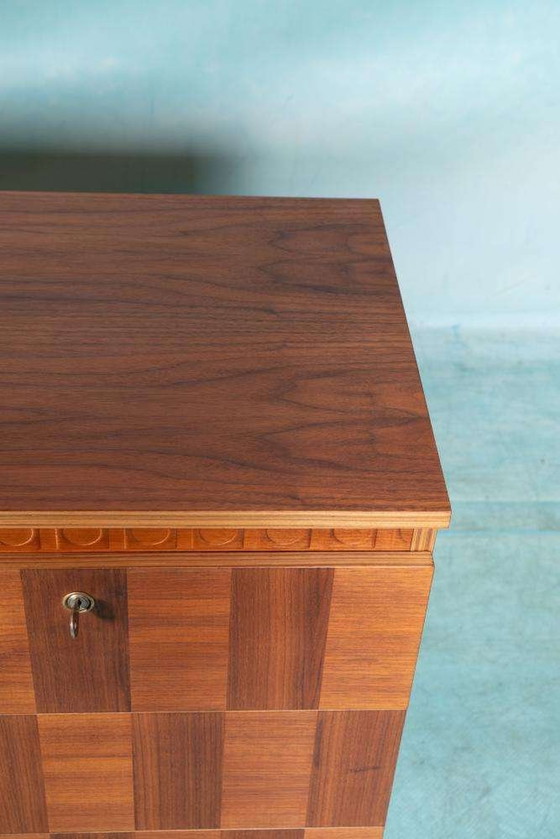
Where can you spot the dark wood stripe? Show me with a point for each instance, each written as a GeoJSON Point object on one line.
{"type": "Point", "coordinates": [90, 673]}
{"type": "Point", "coordinates": [22, 794]}
{"type": "Point", "coordinates": [278, 635]}
{"type": "Point", "coordinates": [353, 766]}
{"type": "Point", "coordinates": [177, 770]}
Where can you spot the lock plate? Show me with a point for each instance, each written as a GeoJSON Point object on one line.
{"type": "Point", "coordinates": [78, 601]}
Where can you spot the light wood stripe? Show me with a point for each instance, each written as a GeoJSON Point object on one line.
{"type": "Point", "coordinates": [87, 765]}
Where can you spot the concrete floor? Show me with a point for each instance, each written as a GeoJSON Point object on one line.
{"type": "Point", "coordinates": [480, 755]}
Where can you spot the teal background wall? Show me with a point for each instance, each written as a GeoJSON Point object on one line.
{"type": "Point", "coordinates": [449, 112]}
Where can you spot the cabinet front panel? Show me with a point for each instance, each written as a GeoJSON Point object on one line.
{"type": "Point", "coordinates": [262, 834]}
{"type": "Point", "coordinates": [278, 633]}
{"type": "Point", "coordinates": [87, 766]}
{"type": "Point", "coordinates": [295, 833]}
{"type": "Point", "coordinates": [22, 794]}
{"type": "Point", "coordinates": [16, 682]}
{"type": "Point", "coordinates": [267, 768]}
{"type": "Point", "coordinates": [265, 700]}
{"type": "Point", "coordinates": [235, 770]}
{"type": "Point", "coordinates": [179, 634]}
{"type": "Point", "coordinates": [353, 765]}
{"type": "Point", "coordinates": [84, 674]}
{"type": "Point", "coordinates": [213, 639]}
{"type": "Point", "coordinates": [177, 770]}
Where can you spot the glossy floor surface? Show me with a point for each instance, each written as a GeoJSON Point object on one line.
{"type": "Point", "coordinates": [480, 754]}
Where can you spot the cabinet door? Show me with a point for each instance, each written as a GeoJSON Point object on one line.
{"type": "Point", "coordinates": [267, 698]}
{"type": "Point", "coordinates": [172, 639]}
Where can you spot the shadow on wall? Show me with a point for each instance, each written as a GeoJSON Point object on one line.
{"type": "Point", "coordinates": [194, 171]}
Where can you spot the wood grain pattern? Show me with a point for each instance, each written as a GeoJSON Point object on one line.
{"type": "Point", "coordinates": [423, 539]}
{"type": "Point", "coordinates": [87, 764]}
{"type": "Point", "coordinates": [376, 621]}
{"type": "Point", "coordinates": [25, 836]}
{"type": "Point", "coordinates": [120, 835]}
{"type": "Point", "coordinates": [233, 518]}
{"type": "Point", "coordinates": [393, 540]}
{"type": "Point", "coordinates": [110, 540]}
{"type": "Point", "coordinates": [89, 673]}
{"type": "Point", "coordinates": [262, 834]}
{"type": "Point", "coordinates": [232, 559]}
{"type": "Point", "coordinates": [144, 834]}
{"type": "Point", "coordinates": [179, 637]}
{"type": "Point", "coordinates": [267, 768]}
{"type": "Point", "coordinates": [177, 834]}
{"type": "Point", "coordinates": [22, 794]}
{"type": "Point", "coordinates": [278, 633]}
{"type": "Point", "coordinates": [177, 770]}
{"type": "Point", "coordinates": [344, 833]}
{"type": "Point", "coordinates": [353, 766]}
{"type": "Point", "coordinates": [307, 833]}
{"type": "Point", "coordinates": [259, 360]}
{"type": "Point", "coordinates": [16, 683]}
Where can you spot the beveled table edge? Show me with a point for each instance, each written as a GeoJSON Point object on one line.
{"type": "Point", "coordinates": [261, 518]}
{"type": "Point", "coordinates": [220, 559]}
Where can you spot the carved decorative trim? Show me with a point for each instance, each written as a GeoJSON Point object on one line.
{"type": "Point", "coordinates": [116, 539]}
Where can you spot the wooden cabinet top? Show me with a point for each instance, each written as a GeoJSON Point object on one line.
{"type": "Point", "coordinates": [207, 361]}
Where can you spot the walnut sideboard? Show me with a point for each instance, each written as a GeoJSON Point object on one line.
{"type": "Point", "coordinates": [219, 495]}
